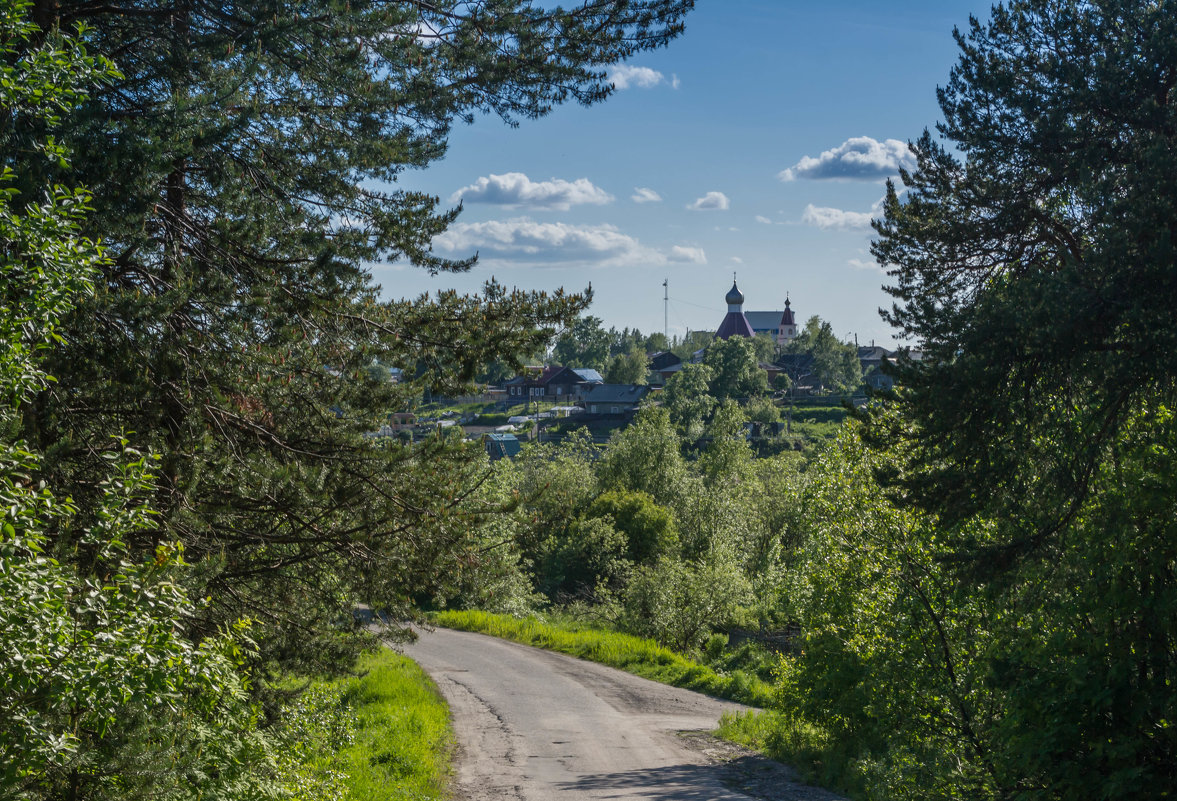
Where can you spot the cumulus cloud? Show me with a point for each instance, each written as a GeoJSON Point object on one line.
{"type": "Point", "coordinates": [825, 217]}
{"type": "Point", "coordinates": [624, 76]}
{"type": "Point", "coordinates": [514, 189]}
{"type": "Point", "coordinates": [693, 255]}
{"type": "Point", "coordinates": [712, 201]}
{"type": "Point", "coordinates": [760, 218]}
{"type": "Point", "coordinates": [859, 158]}
{"type": "Point", "coordinates": [642, 194]}
{"type": "Point", "coordinates": [523, 240]}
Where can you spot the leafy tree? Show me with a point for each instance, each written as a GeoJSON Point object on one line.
{"type": "Point", "coordinates": [681, 603]}
{"type": "Point", "coordinates": [101, 693]}
{"type": "Point", "coordinates": [646, 457]}
{"type": "Point", "coordinates": [244, 169]}
{"type": "Point", "coordinates": [737, 369]}
{"type": "Point", "coordinates": [835, 363]}
{"type": "Point", "coordinates": [728, 456]}
{"type": "Point", "coordinates": [629, 367]}
{"type": "Point", "coordinates": [583, 344]}
{"type": "Point", "coordinates": [648, 528]}
{"type": "Point", "coordinates": [687, 398]}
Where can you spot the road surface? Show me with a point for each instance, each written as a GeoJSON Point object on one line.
{"type": "Point", "coordinates": [534, 725]}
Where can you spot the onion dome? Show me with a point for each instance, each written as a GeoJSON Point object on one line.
{"type": "Point", "coordinates": [734, 296]}
{"type": "Point", "coordinates": [787, 317]}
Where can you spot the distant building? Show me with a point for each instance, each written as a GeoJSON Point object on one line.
{"type": "Point", "coordinates": [613, 398]}
{"type": "Point", "coordinates": [501, 446]}
{"type": "Point", "coordinates": [734, 324]}
{"type": "Point", "coordinates": [781, 326]}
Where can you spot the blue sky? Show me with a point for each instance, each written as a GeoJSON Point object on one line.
{"type": "Point", "coordinates": [709, 161]}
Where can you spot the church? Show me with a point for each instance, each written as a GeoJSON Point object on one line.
{"type": "Point", "coordinates": [780, 325]}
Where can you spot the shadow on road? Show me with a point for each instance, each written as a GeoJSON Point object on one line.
{"type": "Point", "coordinates": [671, 783]}
{"type": "Point", "coordinates": [750, 776]}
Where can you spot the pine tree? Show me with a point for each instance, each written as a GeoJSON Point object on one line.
{"type": "Point", "coordinates": [1038, 273]}
{"type": "Point", "coordinates": [244, 171]}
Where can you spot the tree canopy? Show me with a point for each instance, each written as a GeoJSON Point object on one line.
{"type": "Point", "coordinates": [835, 363]}
{"type": "Point", "coordinates": [244, 166]}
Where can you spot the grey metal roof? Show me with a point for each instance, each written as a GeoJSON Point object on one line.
{"type": "Point", "coordinates": [764, 320]}
{"type": "Point", "coordinates": [615, 393]}
{"type": "Point", "coordinates": [588, 374]}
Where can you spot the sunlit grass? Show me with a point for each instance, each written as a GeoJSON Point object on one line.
{"type": "Point", "coordinates": [383, 735]}
{"type": "Point", "coordinates": [635, 655]}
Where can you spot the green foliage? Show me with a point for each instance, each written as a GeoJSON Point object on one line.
{"type": "Point", "coordinates": [102, 692]}
{"type": "Point", "coordinates": [588, 554]}
{"type": "Point", "coordinates": [680, 603]}
{"type": "Point", "coordinates": [763, 410]}
{"type": "Point", "coordinates": [835, 363]}
{"type": "Point", "coordinates": [648, 528]}
{"type": "Point", "coordinates": [244, 168]}
{"type": "Point", "coordinates": [646, 457]}
{"type": "Point", "coordinates": [583, 344]}
{"type": "Point", "coordinates": [687, 398]}
{"type": "Point", "coordinates": [635, 655]}
{"type": "Point", "coordinates": [628, 367]}
{"type": "Point", "coordinates": [736, 366]}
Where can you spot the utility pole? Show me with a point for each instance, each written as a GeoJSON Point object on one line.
{"type": "Point", "coordinates": [666, 310]}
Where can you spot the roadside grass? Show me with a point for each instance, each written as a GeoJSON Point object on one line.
{"type": "Point", "coordinates": [635, 655]}
{"type": "Point", "coordinates": [382, 735]}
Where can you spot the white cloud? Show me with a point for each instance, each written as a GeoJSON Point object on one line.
{"type": "Point", "coordinates": [824, 217]}
{"type": "Point", "coordinates": [693, 255]}
{"type": "Point", "coordinates": [859, 264]}
{"type": "Point", "coordinates": [859, 158]}
{"type": "Point", "coordinates": [624, 76]}
{"type": "Point", "coordinates": [716, 201]}
{"type": "Point", "coordinates": [515, 190]}
{"type": "Point", "coordinates": [642, 194]}
{"type": "Point", "coordinates": [736, 260]}
{"type": "Point", "coordinates": [760, 218]}
{"type": "Point", "coordinates": [523, 240]}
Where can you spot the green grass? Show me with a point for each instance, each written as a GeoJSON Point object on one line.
{"type": "Point", "coordinates": [632, 654]}
{"type": "Point", "coordinates": [383, 735]}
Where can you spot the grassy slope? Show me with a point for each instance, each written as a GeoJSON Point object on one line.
{"type": "Point", "coordinates": [381, 736]}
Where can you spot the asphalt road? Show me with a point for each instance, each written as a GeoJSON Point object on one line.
{"type": "Point", "coordinates": [534, 725]}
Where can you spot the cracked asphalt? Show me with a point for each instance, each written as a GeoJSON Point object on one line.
{"type": "Point", "coordinates": [534, 725]}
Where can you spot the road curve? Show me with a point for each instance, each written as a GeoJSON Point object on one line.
{"type": "Point", "coordinates": [534, 725]}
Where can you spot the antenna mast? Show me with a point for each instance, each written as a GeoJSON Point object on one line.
{"type": "Point", "coordinates": [666, 309]}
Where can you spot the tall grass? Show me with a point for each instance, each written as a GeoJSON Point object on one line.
{"type": "Point", "coordinates": [382, 735]}
{"type": "Point", "coordinates": [635, 655]}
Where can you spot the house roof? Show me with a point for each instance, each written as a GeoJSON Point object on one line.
{"type": "Point", "coordinates": [764, 320]}
{"type": "Point", "coordinates": [502, 445]}
{"type": "Point", "coordinates": [588, 374]}
{"type": "Point", "coordinates": [615, 393]}
{"type": "Point", "coordinates": [663, 359]}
